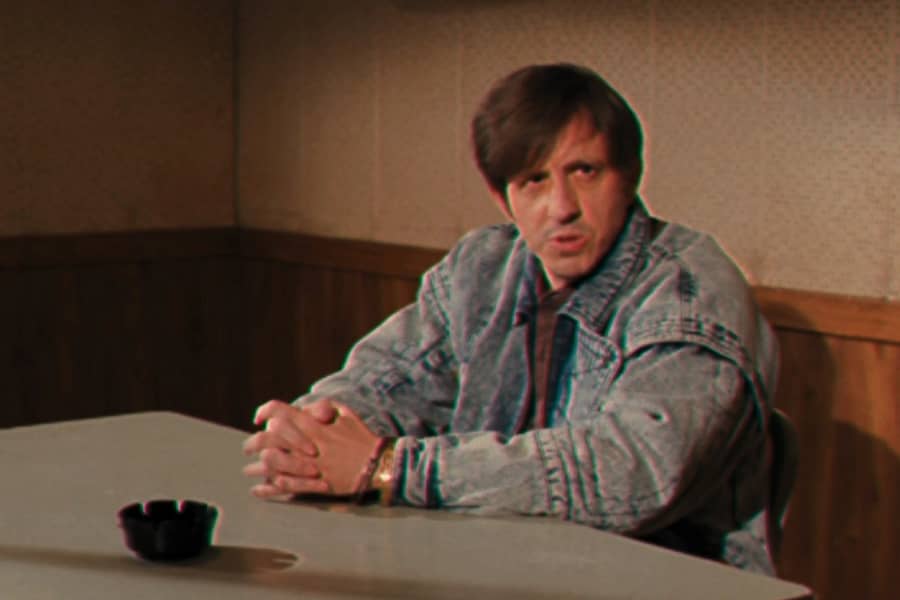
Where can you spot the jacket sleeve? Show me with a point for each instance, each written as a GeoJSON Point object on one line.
{"type": "Point", "coordinates": [674, 424]}
{"type": "Point", "coordinates": [402, 377]}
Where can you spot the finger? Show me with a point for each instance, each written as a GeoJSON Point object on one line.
{"type": "Point", "coordinates": [345, 411]}
{"type": "Point", "coordinates": [256, 442]}
{"type": "Point", "coordinates": [264, 470]}
{"type": "Point", "coordinates": [267, 490]}
{"type": "Point", "coordinates": [271, 409]}
{"type": "Point", "coordinates": [350, 418]}
{"type": "Point", "coordinates": [267, 469]}
{"type": "Point", "coordinates": [277, 461]}
{"type": "Point", "coordinates": [288, 430]}
{"type": "Point", "coordinates": [283, 435]}
{"type": "Point", "coordinates": [264, 439]}
{"type": "Point", "coordinates": [323, 411]}
{"type": "Point", "coordinates": [300, 485]}
{"type": "Point", "coordinates": [287, 421]}
{"type": "Point", "coordinates": [342, 409]}
{"type": "Point", "coordinates": [257, 469]}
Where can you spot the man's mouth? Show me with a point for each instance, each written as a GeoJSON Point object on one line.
{"type": "Point", "coordinates": [567, 243]}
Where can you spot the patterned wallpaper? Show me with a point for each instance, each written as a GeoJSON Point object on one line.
{"type": "Point", "coordinates": [772, 124]}
{"type": "Point", "coordinates": [115, 115]}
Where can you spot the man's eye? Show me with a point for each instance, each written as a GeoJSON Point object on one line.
{"type": "Point", "coordinates": [532, 180]}
{"type": "Point", "coordinates": [587, 170]}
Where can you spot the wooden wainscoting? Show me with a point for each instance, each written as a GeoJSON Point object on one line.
{"type": "Point", "coordinates": [842, 535]}
{"type": "Point", "coordinates": [109, 323]}
{"type": "Point", "coordinates": [213, 322]}
{"type": "Point", "coordinates": [303, 319]}
{"type": "Point", "coordinates": [840, 383]}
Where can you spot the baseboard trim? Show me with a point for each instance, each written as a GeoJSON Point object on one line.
{"type": "Point", "coordinates": [378, 258]}
{"type": "Point", "coordinates": [832, 314]}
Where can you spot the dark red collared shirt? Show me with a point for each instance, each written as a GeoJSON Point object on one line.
{"type": "Point", "coordinates": [542, 358]}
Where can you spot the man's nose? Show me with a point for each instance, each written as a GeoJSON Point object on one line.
{"type": "Point", "coordinates": [563, 202]}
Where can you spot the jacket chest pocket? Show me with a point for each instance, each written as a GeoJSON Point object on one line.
{"type": "Point", "coordinates": [594, 363]}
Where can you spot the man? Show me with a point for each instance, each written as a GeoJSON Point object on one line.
{"type": "Point", "coordinates": [585, 361]}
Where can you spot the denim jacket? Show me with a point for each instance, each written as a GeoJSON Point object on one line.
{"type": "Point", "coordinates": [656, 418]}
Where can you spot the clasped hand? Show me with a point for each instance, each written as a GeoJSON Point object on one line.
{"type": "Point", "coordinates": [321, 448]}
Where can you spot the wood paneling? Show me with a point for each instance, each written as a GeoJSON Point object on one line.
{"type": "Point", "coordinates": [94, 339]}
{"type": "Point", "coordinates": [842, 536]}
{"type": "Point", "coordinates": [119, 322]}
{"type": "Point", "coordinates": [212, 323]}
{"type": "Point", "coordinates": [303, 320]}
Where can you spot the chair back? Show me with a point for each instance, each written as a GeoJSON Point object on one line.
{"type": "Point", "coordinates": [785, 460]}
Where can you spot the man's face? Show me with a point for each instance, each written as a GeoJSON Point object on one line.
{"type": "Point", "coordinates": [571, 208]}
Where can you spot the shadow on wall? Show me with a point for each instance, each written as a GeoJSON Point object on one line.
{"type": "Point", "coordinates": [842, 536]}
{"type": "Point", "coordinates": [864, 541]}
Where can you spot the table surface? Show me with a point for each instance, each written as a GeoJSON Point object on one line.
{"type": "Point", "coordinates": [64, 483]}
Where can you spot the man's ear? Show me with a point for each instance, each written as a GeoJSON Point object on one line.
{"type": "Point", "coordinates": [502, 203]}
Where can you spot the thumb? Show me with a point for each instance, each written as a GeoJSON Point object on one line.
{"type": "Point", "coordinates": [323, 411]}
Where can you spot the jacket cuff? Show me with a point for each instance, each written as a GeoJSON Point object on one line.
{"type": "Point", "coordinates": [415, 472]}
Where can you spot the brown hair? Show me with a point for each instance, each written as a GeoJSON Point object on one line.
{"type": "Point", "coordinates": [521, 116]}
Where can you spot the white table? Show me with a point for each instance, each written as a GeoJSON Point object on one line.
{"type": "Point", "coordinates": [64, 482]}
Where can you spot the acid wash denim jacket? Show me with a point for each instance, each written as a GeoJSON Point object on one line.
{"type": "Point", "coordinates": [657, 417]}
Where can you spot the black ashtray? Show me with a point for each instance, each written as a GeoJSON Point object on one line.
{"type": "Point", "coordinates": [167, 530]}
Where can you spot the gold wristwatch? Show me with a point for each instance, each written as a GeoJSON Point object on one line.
{"type": "Point", "coordinates": [383, 477]}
